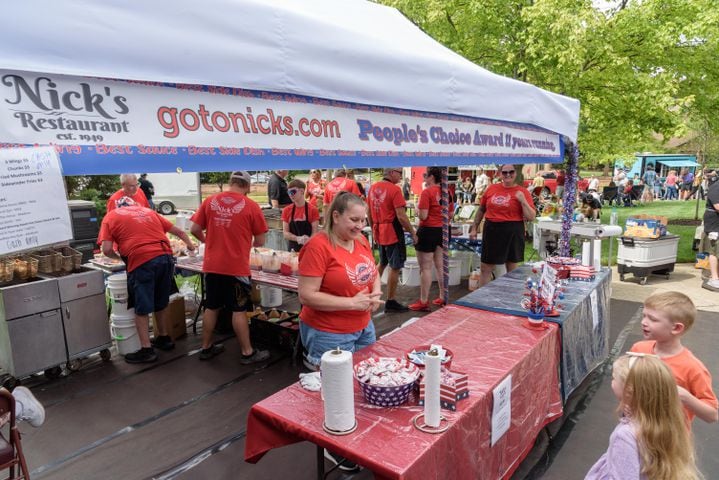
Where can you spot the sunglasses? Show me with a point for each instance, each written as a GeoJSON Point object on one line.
{"type": "Point", "coordinates": [292, 191]}
{"type": "Point", "coordinates": [507, 173]}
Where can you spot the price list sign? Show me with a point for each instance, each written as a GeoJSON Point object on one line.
{"type": "Point", "coordinates": [33, 206]}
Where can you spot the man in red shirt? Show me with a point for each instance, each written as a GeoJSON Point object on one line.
{"type": "Point", "coordinates": [140, 236]}
{"type": "Point", "coordinates": [339, 184]}
{"type": "Point", "coordinates": [130, 190]}
{"type": "Point", "coordinates": [389, 220]}
{"type": "Point", "coordinates": [230, 224]}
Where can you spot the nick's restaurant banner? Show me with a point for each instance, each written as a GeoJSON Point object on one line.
{"type": "Point", "coordinates": [102, 126]}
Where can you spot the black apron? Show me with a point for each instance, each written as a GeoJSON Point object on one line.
{"type": "Point", "coordinates": [299, 227]}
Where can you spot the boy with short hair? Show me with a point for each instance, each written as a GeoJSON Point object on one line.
{"type": "Point", "coordinates": [667, 317]}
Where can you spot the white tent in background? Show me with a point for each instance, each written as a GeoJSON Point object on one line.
{"type": "Point", "coordinates": [124, 85]}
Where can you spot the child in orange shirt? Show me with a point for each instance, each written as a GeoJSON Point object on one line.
{"type": "Point", "coordinates": [667, 317]}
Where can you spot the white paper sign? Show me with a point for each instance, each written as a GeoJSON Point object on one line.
{"type": "Point", "coordinates": [595, 308]}
{"type": "Point", "coordinates": [548, 283]}
{"type": "Point", "coordinates": [501, 409]}
{"type": "Point", "coordinates": [33, 206]}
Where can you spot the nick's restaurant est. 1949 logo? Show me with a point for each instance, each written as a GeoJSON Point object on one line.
{"type": "Point", "coordinates": [81, 112]}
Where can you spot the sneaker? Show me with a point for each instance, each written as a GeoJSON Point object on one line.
{"type": "Point", "coordinates": [394, 306]}
{"type": "Point", "coordinates": [27, 407]}
{"type": "Point", "coordinates": [257, 356]}
{"type": "Point", "coordinates": [143, 355]}
{"type": "Point", "coordinates": [712, 285]}
{"type": "Point", "coordinates": [438, 301]}
{"type": "Point", "coordinates": [214, 350]}
{"type": "Point", "coordinates": [341, 462]}
{"type": "Point", "coordinates": [163, 342]}
{"type": "Point", "coordinates": [419, 306]}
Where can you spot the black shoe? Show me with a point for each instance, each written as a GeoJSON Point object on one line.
{"type": "Point", "coordinates": [143, 355]}
{"type": "Point", "coordinates": [213, 351]}
{"type": "Point", "coordinates": [257, 356]}
{"type": "Point", "coordinates": [394, 306]}
{"type": "Point", "coordinates": [163, 342]}
{"type": "Point", "coordinates": [341, 462]}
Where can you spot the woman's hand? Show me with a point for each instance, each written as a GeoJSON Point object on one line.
{"type": "Point", "coordinates": [520, 196]}
{"type": "Point", "coordinates": [366, 301]}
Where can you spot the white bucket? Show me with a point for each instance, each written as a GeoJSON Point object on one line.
{"type": "Point", "coordinates": [117, 290]}
{"type": "Point", "coordinates": [465, 259]}
{"type": "Point", "coordinates": [455, 272]}
{"type": "Point", "coordinates": [124, 333]}
{"type": "Point", "coordinates": [270, 296]}
{"type": "Point", "coordinates": [410, 272]}
{"type": "Point", "coordinates": [465, 229]}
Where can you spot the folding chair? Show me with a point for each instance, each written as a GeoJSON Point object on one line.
{"type": "Point", "coordinates": [609, 194]}
{"type": "Point", "coordinates": [11, 455]}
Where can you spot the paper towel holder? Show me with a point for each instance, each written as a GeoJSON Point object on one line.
{"type": "Point", "coordinates": [339, 432]}
{"type": "Point", "coordinates": [418, 422]}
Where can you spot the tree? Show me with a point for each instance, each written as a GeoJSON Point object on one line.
{"type": "Point", "coordinates": [218, 178]}
{"type": "Point", "coordinates": [643, 67]}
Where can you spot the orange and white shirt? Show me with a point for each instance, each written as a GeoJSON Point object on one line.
{"type": "Point", "coordinates": [344, 274]}
{"type": "Point", "coordinates": [139, 233]}
{"type": "Point", "coordinates": [340, 184]}
{"type": "Point", "coordinates": [230, 221]}
{"type": "Point", "coordinates": [139, 198]}
{"type": "Point", "coordinates": [383, 200]}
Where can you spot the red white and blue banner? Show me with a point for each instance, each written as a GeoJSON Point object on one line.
{"type": "Point", "coordinates": [104, 126]}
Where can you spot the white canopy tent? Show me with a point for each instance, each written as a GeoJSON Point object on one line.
{"type": "Point", "coordinates": [380, 80]}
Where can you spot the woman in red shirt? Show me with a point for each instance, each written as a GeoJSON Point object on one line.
{"type": "Point", "coordinates": [429, 243]}
{"type": "Point", "coordinates": [338, 283]}
{"type": "Point", "coordinates": [505, 206]}
{"type": "Point", "coordinates": [300, 221]}
{"type": "Point", "coordinates": [315, 188]}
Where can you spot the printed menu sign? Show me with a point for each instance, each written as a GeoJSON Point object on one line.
{"type": "Point", "coordinates": [33, 209]}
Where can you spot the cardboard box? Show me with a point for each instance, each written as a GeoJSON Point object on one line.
{"type": "Point", "coordinates": [449, 393]}
{"type": "Point", "coordinates": [646, 226]}
{"type": "Point", "coordinates": [177, 325]}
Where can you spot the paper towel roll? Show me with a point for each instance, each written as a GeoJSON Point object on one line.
{"type": "Point", "coordinates": [608, 231]}
{"type": "Point", "coordinates": [338, 390]}
{"type": "Point", "coordinates": [597, 251]}
{"type": "Point", "coordinates": [586, 253]}
{"type": "Point", "coordinates": [432, 363]}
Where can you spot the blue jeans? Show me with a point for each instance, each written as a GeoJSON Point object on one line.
{"type": "Point", "coordinates": [317, 342]}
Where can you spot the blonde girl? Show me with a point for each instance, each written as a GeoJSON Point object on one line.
{"type": "Point", "coordinates": [651, 441]}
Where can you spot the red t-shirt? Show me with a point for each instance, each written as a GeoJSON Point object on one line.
{"type": "Point", "coordinates": [429, 200]}
{"type": "Point", "coordinates": [139, 198]}
{"type": "Point", "coordinates": [344, 274]}
{"type": "Point", "coordinates": [689, 373]}
{"type": "Point", "coordinates": [230, 220]}
{"type": "Point", "coordinates": [312, 213]}
{"type": "Point", "coordinates": [560, 179]}
{"type": "Point", "coordinates": [340, 184]}
{"type": "Point", "coordinates": [383, 199]}
{"type": "Point", "coordinates": [140, 234]}
{"type": "Point", "coordinates": [501, 205]}
{"type": "Point", "coordinates": [315, 190]}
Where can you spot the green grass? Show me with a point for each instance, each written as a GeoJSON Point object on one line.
{"type": "Point", "coordinates": [674, 210]}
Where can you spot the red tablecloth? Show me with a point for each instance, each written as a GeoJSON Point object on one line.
{"type": "Point", "coordinates": [486, 346]}
{"type": "Point", "coordinates": [286, 282]}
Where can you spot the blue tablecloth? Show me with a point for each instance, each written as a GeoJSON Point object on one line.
{"type": "Point", "coordinates": [583, 320]}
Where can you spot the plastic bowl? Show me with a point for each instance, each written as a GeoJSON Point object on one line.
{"type": "Point", "coordinates": [382, 396]}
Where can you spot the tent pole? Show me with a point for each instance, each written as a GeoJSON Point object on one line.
{"type": "Point", "coordinates": [570, 189]}
{"type": "Point", "coordinates": [445, 234]}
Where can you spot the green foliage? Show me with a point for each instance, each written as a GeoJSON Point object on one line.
{"type": "Point", "coordinates": [217, 178]}
{"type": "Point", "coordinates": [95, 188]}
{"type": "Point", "coordinates": [643, 67]}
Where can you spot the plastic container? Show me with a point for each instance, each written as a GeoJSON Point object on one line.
{"type": "Point", "coordinates": [270, 296]}
{"type": "Point", "coordinates": [124, 333]}
{"type": "Point", "coordinates": [411, 277]}
{"type": "Point", "coordinates": [466, 260]}
{"type": "Point", "coordinates": [255, 259]}
{"type": "Point", "coordinates": [117, 291]}
{"type": "Point", "coordinates": [474, 280]}
{"type": "Point", "coordinates": [270, 262]}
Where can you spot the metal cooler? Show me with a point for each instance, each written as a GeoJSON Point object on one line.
{"type": "Point", "coordinates": [84, 315]}
{"type": "Point", "coordinates": [645, 256]}
{"type": "Point", "coordinates": [31, 332]}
